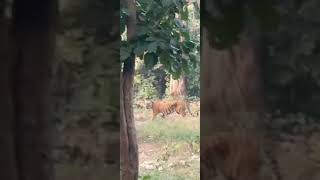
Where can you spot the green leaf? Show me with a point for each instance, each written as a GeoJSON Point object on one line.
{"type": "Point", "coordinates": [165, 59]}
{"type": "Point", "coordinates": [166, 3]}
{"type": "Point", "coordinates": [185, 13]}
{"type": "Point", "coordinates": [123, 19]}
{"type": "Point", "coordinates": [150, 60]}
{"type": "Point", "coordinates": [266, 14]}
{"type": "Point", "coordinates": [140, 48]}
{"type": "Point", "coordinates": [125, 53]}
{"type": "Point", "coordinates": [163, 38]}
{"type": "Point", "coordinates": [152, 47]}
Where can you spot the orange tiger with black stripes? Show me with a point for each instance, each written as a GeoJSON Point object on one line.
{"type": "Point", "coordinates": [168, 107]}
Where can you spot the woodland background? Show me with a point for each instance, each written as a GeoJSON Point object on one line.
{"type": "Point", "coordinates": [285, 42]}
{"type": "Point", "coordinates": [259, 61]}
{"type": "Point", "coordinates": [259, 65]}
{"type": "Point", "coordinates": [85, 90]}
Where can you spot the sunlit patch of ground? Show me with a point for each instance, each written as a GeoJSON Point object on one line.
{"type": "Point", "coordinates": [168, 147]}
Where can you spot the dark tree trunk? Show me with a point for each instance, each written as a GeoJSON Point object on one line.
{"type": "Point", "coordinates": [8, 164]}
{"type": "Point", "coordinates": [129, 145]}
{"type": "Point", "coordinates": [231, 84]}
{"type": "Point", "coordinates": [27, 88]}
{"type": "Point", "coordinates": [230, 103]}
{"type": "Point", "coordinates": [26, 51]}
{"type": "Point", "coordinates": [162, 84]}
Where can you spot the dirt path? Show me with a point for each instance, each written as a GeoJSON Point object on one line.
{"type": "Point", "coordinates": [168, 148]}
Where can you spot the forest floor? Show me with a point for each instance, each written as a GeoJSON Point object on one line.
{"type": "Point", "coordinates": [168, 147]}
{"type": "Point", "coordinates": [295, 144]}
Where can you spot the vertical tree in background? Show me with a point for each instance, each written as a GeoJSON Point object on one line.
{"type": "Point", "coordinates": [129, 145]}
{"type": "Point", "coordinates": [8, 164]}
{"type": "Point", "coordinates": [162, 44]}
{"type": "Point", "coordinates": [178, 87]}
{"type": "Point", "coordinates": [34, 28]}
{"type": "Point", "coordinates": [25, 69]}
{"type": "Point", "coordinates": [231, 97]}
{"type": "Point", "coordinates": [230, 66]}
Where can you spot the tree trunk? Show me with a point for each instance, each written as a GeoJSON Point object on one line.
{"type": "Point", "coordinates": [8, 164]}
{"type": "Point", "coordinates": [34, 28]}
{"type": "Point", "coordinates": [161, 83]}
{"type": "Point", "coordinates": [231, 84]}
{"type": "Point", "coordinates": [24, 91]}
{"type": "Point", "coordinates": [178, 87]}
{"type": "Point", "coordinates": [129, 145]}
{"type": "Point", "coordinates": [230, 103]}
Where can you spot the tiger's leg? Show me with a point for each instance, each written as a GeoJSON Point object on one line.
{"type": "Point", "coordinates": [166, 113]}
{"type": "Point", "coordinates": [154, 115]}
{"type": "Point", "coordinates": [163, 115]}
{"type": "Point", "coordinates": [184, 114]}
{"type": "Point", "coordinates": [178, 111]}
{"type": "Point", "coordinates": [169, 111]}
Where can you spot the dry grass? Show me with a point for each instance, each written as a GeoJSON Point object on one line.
{"type": "Point", "coordinates": [168, 148]}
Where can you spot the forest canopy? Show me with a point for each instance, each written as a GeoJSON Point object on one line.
{"type": "Point", "coordinates": [167, 43]}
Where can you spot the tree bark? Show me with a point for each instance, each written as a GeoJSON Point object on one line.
{"type": "Point", "coordinates": [230, 103]}
{"type": "Point", "coordinates": [129, 145]}
{"type": "Point", "coordinates": [161, 83]}
{"type": "Point", "coordinates": [8, 164]}
{"type": "Point", "coordinates": [34, 28]}
{"type": "Point", "coordinates": [178, 87]}
{"type": "Point", "coordinates": [231, 84]}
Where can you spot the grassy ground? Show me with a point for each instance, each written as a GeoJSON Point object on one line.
{"type": "Point", "coordinates": [168, 148]}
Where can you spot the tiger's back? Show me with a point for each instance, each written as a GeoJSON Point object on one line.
{"type": "Point", "coordinates": [182, 107]}
{"type": "Point", "coordinates": [163, 107]}
{"type": "Point", "coordinates": [169, 107]}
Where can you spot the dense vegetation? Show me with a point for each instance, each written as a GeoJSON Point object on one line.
{"type": "Point", "coordinates": [85, 88]}
{"type": "Point", "coordinates": [156, 44]}
{"type": "Point", "coordinates": [167, 43]}
{"type": "Point", "coordinates": [289, 47]}
{"type": "Point", "coordinates": [86, 58]}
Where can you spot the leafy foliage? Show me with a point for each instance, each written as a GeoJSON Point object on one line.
{"type": "Point", "coordinates": [167, 42]}
{"type": "Point", "coordinates": [145, 88]}
{"type": "Point", "coordinates": [85, 77]}
{"type": "Point", "coordinates": [193, 80]}
{"type": "Point", "coordinates": [291, 69]}
{"type": "Point", "coordinates": [226, 20]}
{"type": "Point", "coordinates": [162, 36]}
{"type": "Point", "coordinates": [80, 84]}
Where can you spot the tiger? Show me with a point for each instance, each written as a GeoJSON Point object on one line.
{"type": "Point", "coordinates": [181, 108]}
{"type": "Point", "coordinates": [163, 107]}
{"type": "Point", "coordinates": [169, 107]}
